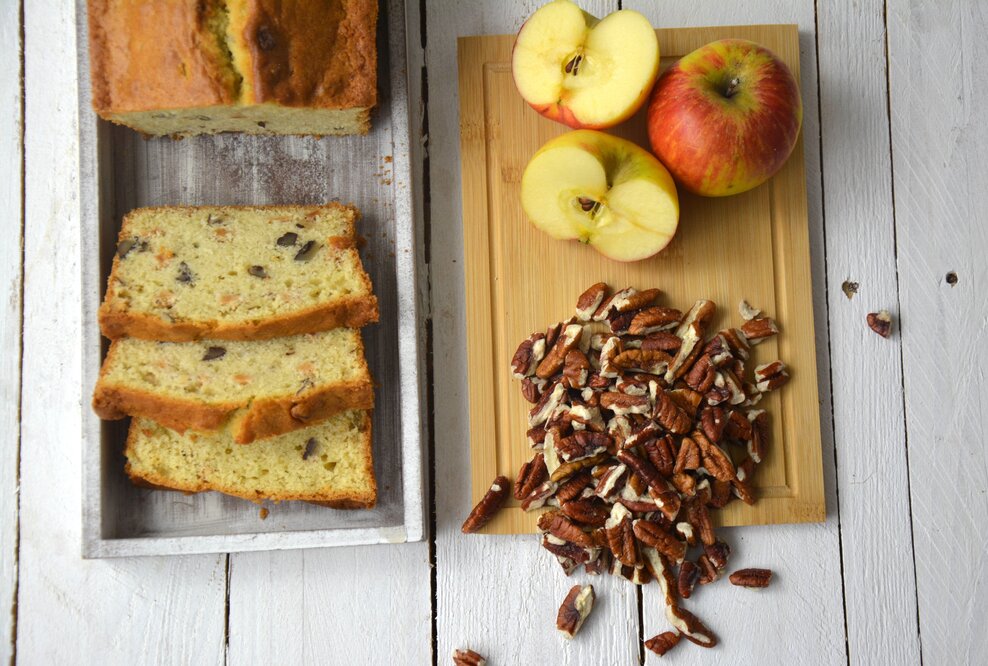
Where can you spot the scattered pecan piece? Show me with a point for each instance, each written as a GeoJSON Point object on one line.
{"type": "Point", "coordinates": [488, 506]}
{"type": "Point", "coordinates": [751, 577]}
{"type": "Point", "coordinates": [610, 484]}
{"type": "Point", "coordinates": [747, 312]}
{"type": "Point", "coordinates": [620, 536]}
{"type": "Point", "coordinates": [574, 610]}
{"type": "Point", "coordinates": [708, 572]}
{"type": "Point", "coordinates": [742, 485]}
{"type": "Point", "coordinates": [880, 322]}
{"type": "Point", "coordinates": [623, 404]}
{"type": "Point", "coordinates": [717, 553]}
{"type": "Point", "coordinates": [691, 627]}
{"type": "Point", "coordinates": [662, 643]}
{"type": "Point", "coordinates": [468, 658]}
{"type": "Point", "coordinates": [568, 339]}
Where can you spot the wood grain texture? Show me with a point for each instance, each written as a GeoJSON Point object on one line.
{"type": "Point", "coordinates": [496, 594]}
{"type": "Point", "coordinates": [937, 56]}
{"type": "Point", "coordinates": [869, 432]}
{"type": "Point", "coordinates": [165, 610]}
{"type": "Point", "coordinates": [362, 605]}
{"type": "Point", "coordinates": [10, 313]}
{"type": "Point", "coordinates": [753, 246]}
{"type": "Point", "coordinates": [775, 628]}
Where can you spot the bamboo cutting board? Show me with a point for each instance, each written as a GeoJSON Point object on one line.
{"type": "Point", "coordinates": [518, 280]}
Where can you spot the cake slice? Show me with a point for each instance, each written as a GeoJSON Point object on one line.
{"type": "Point", "coordinates": [236, 273]}
{"type": "Point", "coordinates": [256, 389]}
{"type": "Point", "coordinates": [180, 68]}
{"type": "Point", "coordinates": [329, 463]}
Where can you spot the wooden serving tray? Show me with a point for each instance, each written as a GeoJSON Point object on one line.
{"type": "Point", "coordinates": [518, 280]}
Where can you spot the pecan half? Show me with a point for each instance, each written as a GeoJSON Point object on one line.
{"type": "Point", "coordinates": [488, 506]}
{"type": "Point", "coordinates": [742, 485]}
{"type": "Point", "coordinates": [662, 643]}
{"type": "Point", "coordinates": [713, 420]}
{"type": "Point", "coordinates": [566, 470]}
{"type": "Point", "coordinates": [590, 300]}
{"type": "Point", "coordinates": [468, 658]}
{"type": "Point", "coordinates": [662, 341]}
{"type": "Point", "coordinates": [574, 486]}
{"type": "Point", "coordinates": [770, 376]}
{"type": "Point", "coordinates": [653, 362]}
{"type": "Point", "coordinates": [612, 482]}
{"type": "Point", "coordinates": [569, 338]}
{"type": "Point", "coordinates": [566, 549]}
{"type": "Point", "coordinates": [576, 369]}
{"type": "Point", "coordinates": [530, 476]}
{"type": "Point", "coordinates": [623, 404]}
{"type": "Point", "coordinates": [654, 535]}
{"type": "Point", "coordinates": [698, 516]}
{"type": "Point", "coordinates": [605, 307]}
{"type": "Point", "coordinates": [670, 415]}
{"type": "Point", "coordinates": [701, 376]}
{"type": "Point", "coordinates": [654, 319]}
{"type": "Point", "coordinates": [720, 493]}
{"type": "Point", "coordinates": [574, 610]}
{"type": "Point", "coordinates": [880, 322]}
{"type": "Point", "coordinates": [690, 626]}
{"type": "Point", "coordinates": [717, 553]}
{"type": "Point", "coordinates": [661, 454]}
{"type": "Point", "coordinates": [759, 329]}
{"type": "Point", "coordinates": [621, 537]}
{"type": "Point", "coordinates": [546, 405]}
{"type": "Point", "coordinates": [689, 456]}
{"type": "Point", "coordinates": [714, 459]}
{"type": "Point", "coordinates": [751, 577]}
{"type": "Point", "coordinates": [629, 300]}
{"type": "Point", "coordinates": [611, 349]}
{"type": "Point", "coordinates": [583, 444]}
{"type": "Point", "coordinates": [531, 389]}
{"type": "Point", "coordinates": [591, 511]}
{"type": "Point", "coordinates": [689, 573]}
{"type": "Point", "coordinates": [558, 525]}
{"type": "Point", "coordinates": [528, 355]}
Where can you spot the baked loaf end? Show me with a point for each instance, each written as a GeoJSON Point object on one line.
{"type": "Point", "coordinates": [180, 68]}
{"type": "Point", "coordinates": [236, 273]}
{"type": "Point", "coordinates": [329, 463]}
{"type": "Point", "coordinates": [257, 389]}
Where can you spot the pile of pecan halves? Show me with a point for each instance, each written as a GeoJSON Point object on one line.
{"type": "Point", "coordinates": [638, 418]}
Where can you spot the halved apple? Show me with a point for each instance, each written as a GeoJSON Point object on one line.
{"type": "Point", "coordinates": [601, 190]}
{"type": "Point", "coordinates": [581, 71]}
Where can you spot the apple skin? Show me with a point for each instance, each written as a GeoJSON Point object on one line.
{"type": "Point", "coordinates": [638, 212]}
{"type": "Point", "coordinates": [725, 118]}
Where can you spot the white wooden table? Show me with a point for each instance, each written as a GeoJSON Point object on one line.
{"type": "Point", "coordinates": [895, 100]}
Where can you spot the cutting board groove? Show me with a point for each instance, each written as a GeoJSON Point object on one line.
{"type": "Point", "coordinates": [518, 280]}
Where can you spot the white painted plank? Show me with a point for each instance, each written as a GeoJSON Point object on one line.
{"type": "Point", "coordinates": [937, 56]}
{"type": "Point", "coordinates": [10, 312]}
{"type": "Point", "coordinates": [872, 471]}
{"type": "Point", "coordinates": [496, 594]}
{"type": "Point", "coordinates": [366, 605]}
{"type": "Point", "coordinates": [158, 610]}
{"type": "Point", "coordinates": [773, 626]}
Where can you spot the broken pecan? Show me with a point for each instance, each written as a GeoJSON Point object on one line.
{"type": "Point", "coordinates": [759, 329]}
{"type": "Point", "coordinates": [574, 610]}
{"type": "Point", "coordinates": [568, 339]}
{"type": "Point", "coordinates": [770, 376]}
{"type": "Point", "coordinates": [576, 369]}
{"type": "Point", "coordinates": [531, 389]}
{"type": "Point", "coordinates": [566, 470]}
{"type": "Point", "coordinates": [468, 658]}
{"type": "Point", "coordinates": [690, 626]}
{"type": "Point", "coordinates": [558, 525]}
{"type": "Point", "coordinates": [590, 300]}
{"type": "Point", "coordinates": [623, 404]}
{"type": "Point", "coordinates": [583, 444]}
{"type": "Point", "coordinates": [528, 355]}
{"type": "Point", "coordinates": [488, 506]}
{"type": "Point", "coordinates": [654, 535]}
{"type": "Point", "coordinates": [654, 319]}
{"type": "Point", "coordinates": [708, 572]}
{"type": "Point", "coordinates": [590, 511]}
{"type": "Point", "coordinates": [743, 487]}
{"type": "Point", "coordinates": [539, 496]}
{"type": "Point", "coordinates": [751, 577]}
{"type": "Point", "coordinates": [662, 643]}
{"type": "Point", "coordinates": [620, 536]}
{"type": "Point", "coordinates": [612, 482]}
{"type": "Point", "coordinates": [689, 573]}
{"type": "Point", "coordinates": [629, 300]}
{"type": "Point", "coordinates": [530, 476]}
{"type": "Point", "coordinates": [880, 322]}
{"type": "Point", "coordinates": [662, 341]}
{"type": "Point", "coordinates": [747, 312]}
{"type": "Point", "coordinates": [717, 553]}
{"type": "Point", "coordinates": [573, 487]}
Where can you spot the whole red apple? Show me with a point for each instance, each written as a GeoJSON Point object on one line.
{"type": "Point", "coordinates": [725, 117]}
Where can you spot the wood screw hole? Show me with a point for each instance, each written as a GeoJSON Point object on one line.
{"type": "Point", "coordinates": [952, 278]}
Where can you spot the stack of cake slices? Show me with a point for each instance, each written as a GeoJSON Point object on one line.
{"type": "Point", "coordinates": [236, 348]}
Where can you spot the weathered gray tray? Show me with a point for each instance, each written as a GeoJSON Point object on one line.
{"type": "Point", "coordinates": [120, 170]}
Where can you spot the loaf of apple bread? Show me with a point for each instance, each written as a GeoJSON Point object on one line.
{"type": "Point", "coordinates": [236, 273]}
{"type": "Point", "coordinates": [329, 463]}
{"type": "Point", "coordinates": [255, 389]}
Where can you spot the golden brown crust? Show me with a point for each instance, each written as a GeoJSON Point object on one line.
{"type": "Point", "coordinates": [351, 312]}
{"type": "Point", "coordinates": [157, 55]}
{"type": "Point", "coordinates": [310, 53]}
{"type": "Point", "coordinates": [334, 499]}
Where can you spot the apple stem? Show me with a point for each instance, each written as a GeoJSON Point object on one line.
{"type": "Point", "coordinates": [732, 87]}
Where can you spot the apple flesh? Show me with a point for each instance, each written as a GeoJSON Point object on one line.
{"type": "Point", "coordinates": [604, 191]}
{"type": "Point", "coordinates": [581, 71]}
{"type": "Point", "coordinates": [725, 118]}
